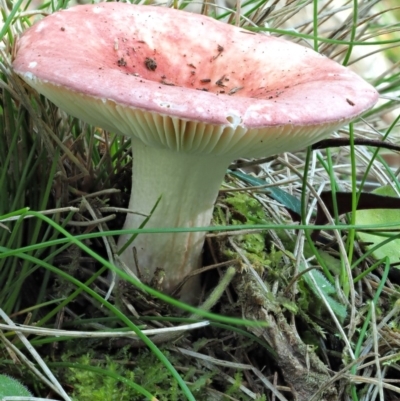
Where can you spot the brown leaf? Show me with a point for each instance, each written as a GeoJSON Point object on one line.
{"type": "Point", "coordinates": [344, 205]}
{"type": "Point", "coordinates": [338, 142]}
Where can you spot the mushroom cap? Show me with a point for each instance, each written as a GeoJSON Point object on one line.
{"type": "Point", "coordinates": [187, 82]}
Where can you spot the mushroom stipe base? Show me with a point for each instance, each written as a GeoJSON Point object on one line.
{"type": "Point", "coordinates": [188, 185]}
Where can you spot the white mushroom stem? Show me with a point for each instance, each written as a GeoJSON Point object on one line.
{"type": "Point", "coordinates": [188, 184]}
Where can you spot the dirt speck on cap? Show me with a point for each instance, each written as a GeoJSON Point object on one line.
{"type": "Point", "coordinates": [150, 63]}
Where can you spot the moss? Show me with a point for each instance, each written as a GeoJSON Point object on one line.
{"type": "Point", "coordinates": [145, 370]}
{"type": "Point", "coordinates": [244, 209]}
{"type": "Point", "coordinates": [247, 210]}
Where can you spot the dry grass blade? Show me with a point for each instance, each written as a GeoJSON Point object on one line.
{"type": "Point", "coordinates": [48, 378]}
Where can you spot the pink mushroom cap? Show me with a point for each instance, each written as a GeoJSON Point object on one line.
{"type": "Point", "coordinates": [271, 95]}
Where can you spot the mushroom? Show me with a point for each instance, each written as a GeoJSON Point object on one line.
{"type": "Point", "coordinates": [193, 94]}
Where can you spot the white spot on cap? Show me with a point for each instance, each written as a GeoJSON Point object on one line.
{"type": "Point", "coordinates": [234, 120]}
{"type": "Point", "coordinates": [29, 76]}
{"type": "Point", "coordinates": [32, 64]}
{"type": "Point", "coordinates": [40, 26]}
{"type": "Point", "coordinates": [167, 105]}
